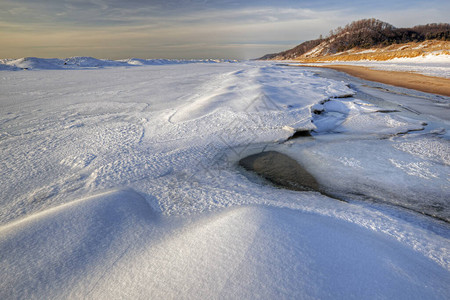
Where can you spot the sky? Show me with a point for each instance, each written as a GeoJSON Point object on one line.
{"type": "Point", "coordinates": [117, 29]}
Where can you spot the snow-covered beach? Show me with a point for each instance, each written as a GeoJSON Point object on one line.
{"type": "Point", "coordinates": [437, 65]}
{"type": "Point", "coordinates": [122, 181]}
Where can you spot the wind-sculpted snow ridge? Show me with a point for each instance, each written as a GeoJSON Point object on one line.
{"type": "Point", "coordinates": [124, 183]}
{"type": "Point", "coordinates": [268, 91]}
{"type": "Point", "coordinates": [34, 63]}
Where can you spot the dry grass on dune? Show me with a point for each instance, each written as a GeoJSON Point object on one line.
{"type": "Point", "coordinates": [408, 50]}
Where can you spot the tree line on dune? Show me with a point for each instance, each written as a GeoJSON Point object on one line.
{"type": "Point", "coordinates": [368, 33]}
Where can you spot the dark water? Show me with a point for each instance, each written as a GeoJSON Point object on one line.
{"type": "Point", "coordinates": [281, 170]}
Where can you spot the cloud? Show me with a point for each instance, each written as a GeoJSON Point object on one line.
{"type": "Point", "coordinates": [183, 29]}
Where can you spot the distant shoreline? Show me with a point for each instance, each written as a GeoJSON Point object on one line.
{"type": "Point", "coordinates": [423, 83]}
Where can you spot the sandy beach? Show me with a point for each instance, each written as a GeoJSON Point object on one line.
{"type": "Point", "coordinates": [428, 84]}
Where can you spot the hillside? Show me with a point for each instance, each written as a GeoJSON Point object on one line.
{"type": "Point", "coordinates": [371, 39]}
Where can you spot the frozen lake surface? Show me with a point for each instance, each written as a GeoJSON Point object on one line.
{"type": "Point", "coordinates": [123, 182]}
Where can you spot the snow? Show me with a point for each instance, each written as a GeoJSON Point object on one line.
{"type": "Point", "coordinates": [52, 249]}
{"type": "Point", "coordinates": [358, 117]}
{"type": "Point", "coordinates": [122, 182]}
{"type": "Point", "coordinates": [35, 63]}
{"type": "Point", "coordinates": [434, 64]}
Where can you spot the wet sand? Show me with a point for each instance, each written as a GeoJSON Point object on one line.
{"type": "Point", "coordinates": [423, 83]}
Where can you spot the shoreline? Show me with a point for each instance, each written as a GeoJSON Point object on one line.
{"type": "Point", "coordinates": [415, 81]}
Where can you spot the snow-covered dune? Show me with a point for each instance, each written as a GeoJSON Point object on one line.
{"type": "Point", "coordinates": [124, 183]}
{"type": "Point", "coordinates": [79, 62]}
